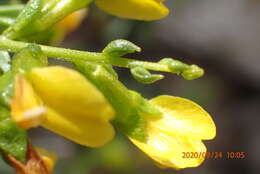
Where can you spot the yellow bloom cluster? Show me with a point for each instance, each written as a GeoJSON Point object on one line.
{"type": "Point", "coordinates": [67, 103]}
{"type": "Point", "coordinates": [63, 101]}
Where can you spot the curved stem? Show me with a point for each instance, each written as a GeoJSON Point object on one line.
{"type": "Point", "coordinates": [71, 55]}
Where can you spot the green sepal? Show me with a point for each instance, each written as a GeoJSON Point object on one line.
{"type": "Point", "coordinates": [22, 62]}
{"type": "Point", "coordinates": [145, 107]}
{"type": "Point", "coordinates": [142, 75]}
{"type": "Point", "coordinates": [120, 47]}
{"type": "Point", "coordinates": [13, 139]}
{"type": "Point", "coordinates": [6, 88]}
{"type": "Point", "coordinates": [128, 119]}
{"type": "Point", "coordinates": [4, 61]}
{"type": "Point", "coordinates": [28, 58]}
{"type": "Point", "coordinates": [23, 23]}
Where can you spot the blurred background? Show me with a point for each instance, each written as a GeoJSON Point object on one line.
{"type": "Point", "coordinates": [223, 37]}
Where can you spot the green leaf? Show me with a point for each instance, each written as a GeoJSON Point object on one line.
{"type": "Point", "coordinates": [28, 58]}
{"type": "Point", "coordinates": [6, 88]}
{"type": "Point", "coordinates": [22, 62]}
{"type": "Point", "coordinates": [120, 48]}
{"type": "Point", "coordinates": [13, 139]}
{"type": "Point", "coordinates": [142, 75]}
{"type": "Point", "coordinates": [4, 61]}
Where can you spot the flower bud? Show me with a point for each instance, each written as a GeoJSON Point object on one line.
{"type": "Point", "coordinates": [135, 9]}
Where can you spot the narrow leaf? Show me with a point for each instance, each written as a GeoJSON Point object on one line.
{"type": "Point", "coordinates": [120, 48]}
{"type": "Point", "coordinates": [142, 75]}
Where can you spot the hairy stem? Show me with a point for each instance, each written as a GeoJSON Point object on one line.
{"type": "Point", "coordinates": [70, 55]}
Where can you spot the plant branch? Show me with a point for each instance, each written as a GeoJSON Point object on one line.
{"type": "Point", "coordinates": [72, 55]}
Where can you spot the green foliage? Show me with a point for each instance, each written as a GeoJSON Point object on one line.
{"type": "Point", "coordinates": [28, 58]}
{"type": "Point", "coordinates": [6, 88]}
{"type": "Point", "coordinates": [142, 75]}
{"type": "Point", "coordinates": [33, 22]}
{"type": "Point", "coordinates": [13, 139]}
{"type": "Point", "coordinates": [24, 20]}
{"type": "Point", "coordinates": [39, 15]}
{"type": "Point", "coordinates": [120, 47]}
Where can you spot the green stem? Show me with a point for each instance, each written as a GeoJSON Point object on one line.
{"type": "Point", "coordinates": [10, 10]}
{"type": "Point", "coordinates": [70, 55]}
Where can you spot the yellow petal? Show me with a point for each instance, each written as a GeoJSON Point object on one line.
{"type": "Point", "coordinates": [180, 129]}
{"type": "Point", "coordinates": [184, 116]}
{"type": "Point", "coordinates": [68, 25]}
{"type": "Point", "coordinates": [76, 109]}
{"type": "Point", "coordinates": [72, 21]}
{"type": "Point", "coordinates": [48, 158]}
{"type": "Point", "coordinates": [134, 9]}
{"type": "Point", "coordinates": [92, 133]}
{"type": "Point", "coordinates": [167, 149]}
{"type": "Point", "coordinates": [27, 109]}
{"type": "Point", "coordinates": [70, 93]}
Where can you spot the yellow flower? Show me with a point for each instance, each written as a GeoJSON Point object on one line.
{"type": "Point", "coordinates": [181, 128]}
{"type": "Point", "coordinates": [63, 101]}
{"type": "Point", "coordinates": [27, 107]}
{"type": "Point", "coordinates": [135, 9]}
